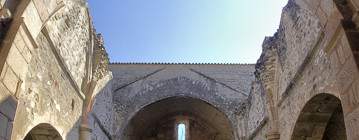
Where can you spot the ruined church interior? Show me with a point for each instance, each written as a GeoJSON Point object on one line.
{"type": "Point", "coordinates": [57, 82]}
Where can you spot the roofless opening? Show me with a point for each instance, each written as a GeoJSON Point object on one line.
{"type": "Point", "coordinates": [179, 118]}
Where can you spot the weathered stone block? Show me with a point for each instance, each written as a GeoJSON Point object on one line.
{"type": "Point", "coordinates": [3, 71]}
{"type": "Point", "coordinates": [346, 48]}
{"type": "Point", "coordinates": [355, 4]}
{"type": "Point", "coordinates": [22, 47]}
{"type": "Point", "coordinates": [4, 92]}
{"type": "Point", "coordinates": [19, 42]}
{"type": "Point", "coordinates": [10, 80]}
{"type": "Point", "coordinates": [347, 75]}
{"type": "Point", "coordinates": [350, 100]}
{"type": "Point", "coordinates": [17, 62]}
{"type": "Point", "coordinates": [352, 123]}
{"type": "Point", "coordinates": [341, 55]}
{"type": "Point", "coordinates": [311, 4]}
{"type": "Point", "coordinates": [343, 49]}
{"type": "Point", "coordinates": [323, 17]}
{"type": "Point", "coordinates": [334, 63]}
{"type": "Point", "coordinates": [32, 20]}
{"type": "Point", "coordinates": [42, 7]}
{"type": "Point", "coordinates": [327, 6]}
{"type": "Point", "coordinates": [69, 35]}
{"type": "Point", "coordinates": [26, 37]}
{"type": "Point", "coordinates": [331, 27]}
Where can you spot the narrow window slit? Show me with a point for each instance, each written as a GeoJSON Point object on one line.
{"type": "Point", "coordinates": [181, 131]}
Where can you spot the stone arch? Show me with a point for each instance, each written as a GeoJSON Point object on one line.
{"type": "Point", "coordinates": [321, 118]}
{"type": "Point", "coordinates": [43, 132]}
{"type": "Point", "coordinates": [158, 120]}
{"type": "Point", "coordinates": [130, 100]}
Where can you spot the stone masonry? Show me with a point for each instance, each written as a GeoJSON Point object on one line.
{"type": "Point", "coordinates": [56, 81]}
{"type": "Point", "coordinates": [49, 70]}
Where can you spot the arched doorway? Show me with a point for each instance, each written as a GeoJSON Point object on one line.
{"type": "Point", "coordinates": [321, 119]}
{"type": "Point", "coordinates": [43, 132]}
{"type": "Point", "coordinates": [180, 118]}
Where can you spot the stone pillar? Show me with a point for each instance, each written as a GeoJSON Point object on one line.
{"type": "Point", "coordinates": [85, 132]}
{"type": "Point", "coordinates": [85, 129]}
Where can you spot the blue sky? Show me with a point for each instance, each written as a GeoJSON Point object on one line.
{"type": "Point", "coordinates": [181, 132]}
{"type": "Point", "coordinates": [198, 31]}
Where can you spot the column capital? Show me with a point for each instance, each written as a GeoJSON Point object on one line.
{"type": "Point", "coordinates": [273, 136]}
{"type": "Point", "coordinates": [85, 132]}
{"type": "Point", "coordinates": [84, 127]}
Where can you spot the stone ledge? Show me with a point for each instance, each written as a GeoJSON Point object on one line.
{"type": "Point", "coordinates": [174, 63]}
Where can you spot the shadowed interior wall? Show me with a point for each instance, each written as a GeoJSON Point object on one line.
{"type": "Point", "coordinates": [158, 121]}
{"type": "Point", "coordinates": [43, 132]}
{"type": "Point", "coordinates": [321, 119]}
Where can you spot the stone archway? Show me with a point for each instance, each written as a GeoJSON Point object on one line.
{"type": "Point", "coordinates": [43, 132]}
{"type": "Point", "coordinates": [321, 119]}
{"type": "Point", "coordinates": [158, 121]}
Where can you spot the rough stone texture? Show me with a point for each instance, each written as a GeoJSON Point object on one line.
{"type": "Point", "coordinates": [310, 54]}
{"type": "Point", "coordinates": [151, 83]}
{"type": "Point", "coordinates": [295, 41]}
{"type": "Point", "coordinates": [314, 55]}
{"type": "Point", "coordinates": [54, 78]}
{"type": "Point", "coordinates": [102, 115]}
{"type": "Point", "coordinates": [47, 93]}
{"type": "Point", "coordinates": [45, 60]}
{"type": "Point", "coordinates": [257, 115]}
{"type": "Point", "coordinates": [260, 134]}
{"type": "Point", "coordinates": [70, 31]}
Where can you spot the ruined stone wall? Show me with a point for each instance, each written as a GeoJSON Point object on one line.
{"type": "Point", "coordinates": [52, 65]}
{"type": "Point", "coordinates": [102, 115]}
{"type": "Point", "coordinates": [70, 31]}
{"type": "Point", "coordinates": [257, 116]}
{"type": "Point", "coordinates": [314, 54]}
{"type": "Point", "coordinates": [298, 34]}
{"type": "Point", "coordinates": [45, 63]}
{"type": "Point", "coordinates": [135, 86]}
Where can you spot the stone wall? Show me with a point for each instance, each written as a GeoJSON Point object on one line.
{"type": "Point", "coordinates": [135, 86]}
{"type": "Point", "coordinates": [314, 54]}
{"type": "Point", "coordinates": [46, 62]}
{"type": "Point", "coordinates": [101, 118]}
{"type": "Point", "coordinates": [70, 32]}
{"type": "Point", "coordinates": [298, 34]}
{"type": "Point", "coordinates": [53, 65]}
{"type": "Point", "coordinates": [257, 116]}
